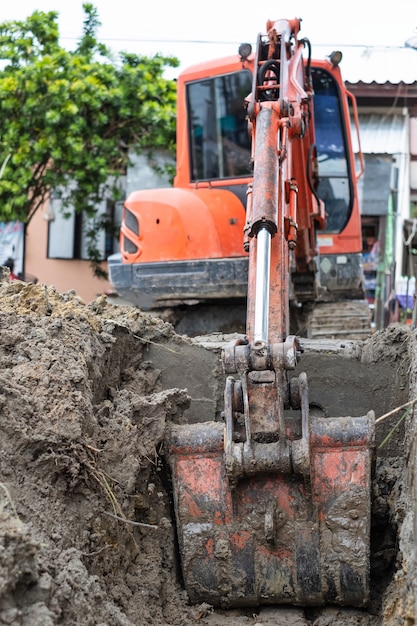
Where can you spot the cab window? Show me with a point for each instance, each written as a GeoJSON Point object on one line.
{"type": "Point", "coordinates": [218, 131]}
{"type": "Point", "coordinates": [334, 187]}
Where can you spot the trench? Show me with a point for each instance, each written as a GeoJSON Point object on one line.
{"type": "Point", "coordinates": [346, 378]}
{"type": "Point", "coordinates": [350, 378]}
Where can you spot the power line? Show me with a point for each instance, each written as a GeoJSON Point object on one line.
{"type": "Point", "coordinates": [236, 43]}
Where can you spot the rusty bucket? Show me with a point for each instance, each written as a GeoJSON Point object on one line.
{"type": "Point", "coordinates": [274, 522]}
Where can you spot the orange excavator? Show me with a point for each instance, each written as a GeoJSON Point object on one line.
{"type": "Point", "coordinates": [273, 504]}
{"type": "Point", "coordinates": [181, 247]}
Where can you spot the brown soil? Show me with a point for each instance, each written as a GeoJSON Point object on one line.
{"type": "Point", "coordinates": [86, 523]}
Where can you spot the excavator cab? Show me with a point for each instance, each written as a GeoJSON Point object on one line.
{"type": "Point", "coordinates": [273, 504]}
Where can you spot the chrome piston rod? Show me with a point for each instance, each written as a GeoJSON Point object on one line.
{"type": "Point", "coordinates": [263, 263]}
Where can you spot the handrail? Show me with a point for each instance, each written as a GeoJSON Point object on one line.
{"type": "Point", "coordinates": [352, 99]}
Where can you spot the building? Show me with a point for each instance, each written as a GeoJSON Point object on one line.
{"type": "Point", "coordinates": [384, 84]}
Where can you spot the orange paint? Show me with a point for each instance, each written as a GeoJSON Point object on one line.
{"type": "Point", "coordinates": [240, 539]}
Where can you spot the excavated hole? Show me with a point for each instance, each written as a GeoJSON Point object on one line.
{"type": "Point", "coordinates": [350, 379]}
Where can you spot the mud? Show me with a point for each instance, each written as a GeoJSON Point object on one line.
{"type": "Point", "coordinates": [86, 523]}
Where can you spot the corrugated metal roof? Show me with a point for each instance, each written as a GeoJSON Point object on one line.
{"type": "Point", "coordinates": [374, 64]}
{"type": "Point", "coordinates": [382, 134]}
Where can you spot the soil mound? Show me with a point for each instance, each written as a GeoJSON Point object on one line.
{"type": "Point", "coordinates": [85, 525]}
{"type": "Point", "coordinates": [86, 521]}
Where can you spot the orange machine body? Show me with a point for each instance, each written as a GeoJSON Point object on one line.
{"type": "Point", "coordinates": [202, 217]}
{"type": "Point", "coordinates": [166, 233]}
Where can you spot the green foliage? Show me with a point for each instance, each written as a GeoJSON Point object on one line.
{"type": "Point", "coordinates": [68, 119]}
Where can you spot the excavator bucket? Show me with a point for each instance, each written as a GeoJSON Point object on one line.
{"type": "Point", "coordinates": [285, 534]}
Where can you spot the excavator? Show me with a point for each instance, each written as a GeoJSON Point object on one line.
{"type": "Point", "coordinates": [272, 504]}
{"type": "Point", "coordinates": [181, 248]}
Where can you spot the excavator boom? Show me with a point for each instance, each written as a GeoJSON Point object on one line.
{"type": "Point", "coordinates": [268, 502]}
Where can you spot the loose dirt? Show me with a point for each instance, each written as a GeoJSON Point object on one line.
{"type": "Point", "coordinates": [86, 523]}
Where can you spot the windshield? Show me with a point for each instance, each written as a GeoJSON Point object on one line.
{"type": "Point", "coordinates": [220, 143]}
{"type": "Point", "coordinates": [219, 139]}
{"type": "Point", "coordinates": [334, 186]}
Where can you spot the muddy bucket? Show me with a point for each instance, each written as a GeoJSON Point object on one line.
{"type": "Point", "coordinates": [277, 522]}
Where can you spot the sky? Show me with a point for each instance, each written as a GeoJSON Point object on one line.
{"type": "Point", "coordinates": [195, 31]}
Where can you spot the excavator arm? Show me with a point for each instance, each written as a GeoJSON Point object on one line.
{"type": "Point", "coordinates": [267, 501]}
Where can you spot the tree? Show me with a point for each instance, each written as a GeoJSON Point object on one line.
{"type": "Point", "coordinates": [70, 118]}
